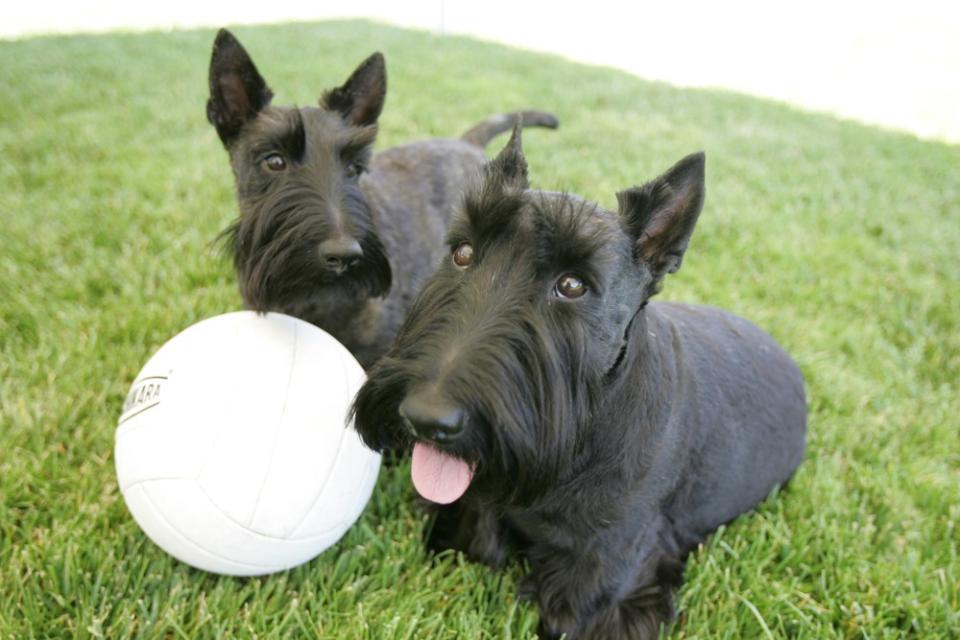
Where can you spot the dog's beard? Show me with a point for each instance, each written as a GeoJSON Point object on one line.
{"type": "Point", "coordinates": [278, 264]}
{"type": "Point", "coordinates": [523, 388]}
{"type": "Point", "coordinates": [292, 279]}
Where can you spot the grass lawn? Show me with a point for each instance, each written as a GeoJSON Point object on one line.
{"type": "Point", "coordinates": [841, 240]}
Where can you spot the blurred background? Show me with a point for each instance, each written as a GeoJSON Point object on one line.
{"type": "Point", "coordinates": [893, 64]}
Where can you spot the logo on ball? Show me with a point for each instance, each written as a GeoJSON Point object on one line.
{"type": "Point", "coordinates": [144, 394]}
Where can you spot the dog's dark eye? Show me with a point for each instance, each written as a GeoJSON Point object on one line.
{"type": "Point", "coordinates": [570, 287]}
{"type": "Point", "coordinates": [463, 255]}
{"type": "Point", "coordinates": [275, 162]}
{"type": "Point", "coordinates": [354, 169]}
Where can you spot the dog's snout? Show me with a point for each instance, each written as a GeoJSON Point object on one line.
{"type": "Point", "coordinates": [429, 418]}
{"type": "Point", "coordinates": [340, 253]}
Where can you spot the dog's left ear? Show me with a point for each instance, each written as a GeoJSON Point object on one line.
{"type": "Point", "coordinates": [360, 99]}
{"type": "Point", "coordinates": [661, 214]}
{"type": "Point", "coordinates": [510, 165]}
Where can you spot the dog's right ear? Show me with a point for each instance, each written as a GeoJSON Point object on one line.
{"type": "Point", "coordinates": [509, 168]}
{"type": "Point", "coordinates": [237, 90]}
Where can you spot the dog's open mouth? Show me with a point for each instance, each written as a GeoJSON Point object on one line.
{"type": "Point", "coordinates": [438, 476]}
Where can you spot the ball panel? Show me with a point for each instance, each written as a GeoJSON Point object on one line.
{"type": "Point", "coordinates": [343, 500]}
{"type": "Point", "coordinates": [161, 439]}
{"type": "Point", "coordinates": [152, 522]}
{"type": "Point", "coordinates": [142, 442]}
{"type": "Point", "coordinates": [256, 386]}
{"type": "Point", "coordinates": [355, 375]}
{"type": "Point", "coordinates": [310, 434]}
{"type": "Point", "coordinates": [201, 535]}
{"type": "Point", "coordinates": [205, 390]}
{"type": "Point", "coordinates": [356, 469]}
{"type": "Point", "coordinates": [153, 450]}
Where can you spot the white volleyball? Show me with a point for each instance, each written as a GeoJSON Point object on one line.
{"type": "Point", "coordinates": [233, 453]}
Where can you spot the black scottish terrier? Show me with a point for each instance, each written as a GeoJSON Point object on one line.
{"type": "Point", "coordinates": [552, 407]}
{"type": "Point", "coordinates": [328, 232]}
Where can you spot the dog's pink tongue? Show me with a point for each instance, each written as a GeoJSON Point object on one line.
{"type": "Point", "coordinates": [439, 477]}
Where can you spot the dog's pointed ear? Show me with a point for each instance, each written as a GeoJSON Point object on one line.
{"type": "Point", "coordinates": [360, 99]}
{"type": "Point", "coordinates": [237, 90]}
{"type": "Point", "coordinates": [510, 165]}
{"type": "Point", "coordinates": [661, 214]}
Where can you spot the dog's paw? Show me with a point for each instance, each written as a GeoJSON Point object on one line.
{"type": "Point", "coordinates": [545, 633]}
{"type": "Point", "coordinates": [527, 589]}
{"type": "Point", "coordinates": [555, 627]}
{"type": "Point", "coordinates": [479, 534]}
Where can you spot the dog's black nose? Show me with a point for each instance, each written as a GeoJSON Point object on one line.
{"type": "Point", "coordinates": [340, 253]}
{"type": "Point", "coordinates": [429, 418]}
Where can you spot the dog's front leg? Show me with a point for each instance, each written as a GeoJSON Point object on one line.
{"type": "Point", "coordinates": [570, 589]}
{"type": "Point", "coordinates": [607, 592]}
{"type": "Point", "coordinates": [479, 532]}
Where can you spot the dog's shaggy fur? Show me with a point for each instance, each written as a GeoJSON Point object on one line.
{"type": "Point", "coordinates": [607, 436]}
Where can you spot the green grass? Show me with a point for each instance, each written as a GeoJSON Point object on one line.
{"type": "Point", "coordinates": [841, 240]}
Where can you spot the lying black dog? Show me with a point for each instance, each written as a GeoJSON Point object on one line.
{"type": "Point", "coordinates": [549, 405]}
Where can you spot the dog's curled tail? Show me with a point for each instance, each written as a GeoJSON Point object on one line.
{"type": "Point", "coordinates": [482, 133]}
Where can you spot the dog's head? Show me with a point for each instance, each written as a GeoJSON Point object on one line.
{"type": "Point", "coordinates": [304, 222]}
{"type": "Point", "coordinates": [512, 345]}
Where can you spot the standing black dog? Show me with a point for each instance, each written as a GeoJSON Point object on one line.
{"type": "Point", "coordinates": [550, 406]}
{"type": "Point", "coordinates": [326, 232]}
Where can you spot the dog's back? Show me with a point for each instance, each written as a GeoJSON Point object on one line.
{"type": "Point", "coordinates": [740, 402]}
